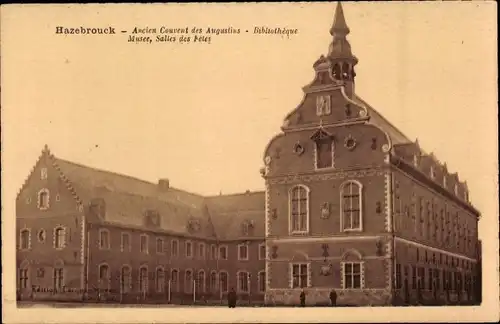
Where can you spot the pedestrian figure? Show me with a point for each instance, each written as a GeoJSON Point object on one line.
{"type": "Point", "coordinates": [231, 298]}
{"type": "Point", "coordinates": [333, 297]}
{"type": "Point", "coordinates": [302, 298]}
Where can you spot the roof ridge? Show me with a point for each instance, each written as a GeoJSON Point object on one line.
{"type": "Point", "coordinates": [236, 194]}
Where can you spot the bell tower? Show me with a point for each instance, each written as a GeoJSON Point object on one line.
{"type": "Point", "coordinates": [340, 57]}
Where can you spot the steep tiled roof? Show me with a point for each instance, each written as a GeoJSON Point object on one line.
{"type": "Point", "coordinates": [234, 211]}
{"type": "Point", "coordinates": [127, 199]}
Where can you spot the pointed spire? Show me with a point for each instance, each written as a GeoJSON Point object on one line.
{"type": "Point", "coordinates": [340, 47]}
{"type": "Point", "coordinates": [339, 27]}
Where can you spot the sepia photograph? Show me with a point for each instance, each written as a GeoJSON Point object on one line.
{"type": "Point", "coordinates": [250, 162]}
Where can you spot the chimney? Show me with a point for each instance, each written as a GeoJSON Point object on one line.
{"type": "Point", "coordinates": [163, 184]}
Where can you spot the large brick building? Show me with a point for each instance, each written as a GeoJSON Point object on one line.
{"type": "Point", "coordinates": [93, 231]}
{"type": "Point", "coordinates": [353, 204]}
{"type": "Point", "coordinates": [350, 204]}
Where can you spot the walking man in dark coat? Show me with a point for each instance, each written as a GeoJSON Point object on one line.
{"type": "Point", "coordinates": [231, 298]}
{"type": "Point", "coordinates": [333, 297]}
{"type": "Point", "coordinates": [302, 298]}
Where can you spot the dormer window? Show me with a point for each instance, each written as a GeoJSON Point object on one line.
{"type": "Point", "coordinates": [415, 160]}
{"type": "Point", "coordinates": [433, 173]}
{"type": "Point", "coordinates": [324, 149]}
{"type": "Point", "coordinates": [456, 190]}
{"type": "Point", "coordinates": [444, 181]}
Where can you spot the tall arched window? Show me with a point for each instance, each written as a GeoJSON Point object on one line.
{"type": "Point", "coordinates": [104, 276]}
{"type": "Point", "coordinates": [200, 282]}
{"type": "Point", "coordinates": [143, 280]}
{"type": "Point", "coordinates": [224, 281]}
{"type": "Point", "coordinates": [125, 279]}
{"type": "Point", "coordinates": [188, 281]}
{"type": "Point", "coordinates": [213, 281]}
{"type": "Point", "coordinates": [299, 209]}
{"type": "Point", "coordinates": [174, 280]}
{"type": "Point", "coordinates": [243, 281]}
{"type": "Point", "coordinates": [160, 280]}
{"type": "Point", "coordinates": [351, 206]}
{"type": "Point", "coordinates": [59, 238]}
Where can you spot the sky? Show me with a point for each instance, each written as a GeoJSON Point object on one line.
{"type": "Point", "coordinates": [201, 115]}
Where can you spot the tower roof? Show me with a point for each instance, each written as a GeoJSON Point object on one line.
{"type": "Point", "coordinates": [339, 26]}
{"type": "Point", "coordinates": [340, 47]}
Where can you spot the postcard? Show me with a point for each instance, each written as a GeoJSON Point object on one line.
{"type": "Point", "coordinates": [249, 162]}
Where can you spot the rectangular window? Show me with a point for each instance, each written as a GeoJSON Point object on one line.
{"type": "Point", "coordinates": [174, 280]}
{"type": "Point", "coordinates": [143, 280]}
{"type": "Point", "coordinates": [104, 239]}
{"type": "Point", "coordinates": [352, 275]}
{"type": "Point", "coordinates": [223, 253]}
{"type": "Point", "coordinates": [174, 249]}
{"type": "Point", "coordinates": [23, 278]}
{"type": "Point", "coordinates": [262, 252]}
{"type": "Point", "coordinates": [201, 250]}
{"type": "Point", "coordinates": [414, 277]}
{"type": "Point", "coordinates": [242, 252]}
{"type": "Point", "coordinates": [59, 238]}
{"type": "Point", "coordinates": [126, 242]}
{"type": "Point", "coordinates": [262, 281]}
{"type": "Point", "coordinates": [213, 252]}
{"type": "Point", "coordinates": [25, 239]}
{"type": "Point", "coordinates": [189, 249]}
{"type": "Point", "coordinates": [430, 282]}
{"type": "Point", "coordinates": [58, 278]}
{"type": "Point", "coordinates": [421, 276]}
{"type": "Point", "coordinates": [144, 244]}
{"type": "Point", "coordinates": [125, 279]}
{"type": "Point", "coordinates": [398, 276]}
{"type": "Point", "coordinates": [324, 153]}
{"type": "Point", "coordinates": [160, 245]}
{"type": "Point", "coordinates": [243, 281]}
{"type": "Point", "coordinates": [43, 173]}
{"type": "Point", "coordinates": [299, 275]}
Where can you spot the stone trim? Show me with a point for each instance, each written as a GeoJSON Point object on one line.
{"type": "Point", "coordinates": [298, 179]}
{"type": "Point", "coordinates": [323, 238]}
{"type": "Point", "coordinates": [389, 226]}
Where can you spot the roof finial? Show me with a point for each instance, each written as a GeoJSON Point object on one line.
{"type": "Point", "coordinates": [339, 27]}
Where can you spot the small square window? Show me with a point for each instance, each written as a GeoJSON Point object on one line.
{"type": "Point", "coordinates": [43, 173]}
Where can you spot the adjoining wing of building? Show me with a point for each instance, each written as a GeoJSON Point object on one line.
{"type": "Point", "coordinates": [350, 204]}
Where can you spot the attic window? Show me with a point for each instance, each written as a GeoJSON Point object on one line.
{"type": "Point", "coordinates": [415, 160]}
{"type": "Point", "coordinates": [43, 173]}
{"type": "Point", "coordinates": [247, 227]}
{"type": "Point", "coordinates": [456, 189]}
{"type": "Point", "coordinates": [323, 105]}
{"type": "Point", "coordinates": [43, 199]}
{"type": "Point", "coordinates": [444, 181]}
